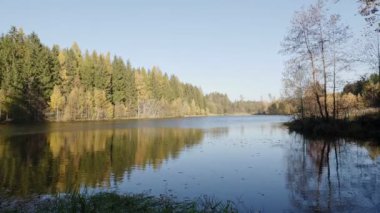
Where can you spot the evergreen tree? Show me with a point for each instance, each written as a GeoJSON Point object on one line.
{"type": "Point", "coordinates": [36, 79]}
{"type": "Point", "coordinates": [119, 81]}
{"type": "Point", "coordinates": [87, 71]}
{"type": "Point", "coordinates": [131, 90]}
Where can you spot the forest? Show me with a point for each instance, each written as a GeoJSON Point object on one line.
{"type": "Point", "coordinates": [323, 156]}
{"type": "Point", "coordinates": [39, 83]}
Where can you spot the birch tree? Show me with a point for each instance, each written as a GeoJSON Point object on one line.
{"type": "Point", "coordinates": [57, 101]}
{"type": "Point", "coordinates": [296, 80]}
{"type": "Point", "coordinates": [318, 40]}
{"type": "Point", "coordinates": [339, 36]}
{"type": "Point", "coordinates": [301, 42]}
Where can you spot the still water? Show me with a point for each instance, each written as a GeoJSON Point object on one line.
{"type": "Point", "coordinates": [253, 161]}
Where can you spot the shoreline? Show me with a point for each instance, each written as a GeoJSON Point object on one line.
{"type": "Point", "coordinates": [363, 128]}
{"type": "Point", "coordinates": [136, 118]}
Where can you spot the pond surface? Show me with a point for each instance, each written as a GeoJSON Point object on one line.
{"type": "Point", "coordinates": [253, 161]}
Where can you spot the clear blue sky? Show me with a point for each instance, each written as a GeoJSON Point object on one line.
{"type": "Point", "coordinates": [230, 46]}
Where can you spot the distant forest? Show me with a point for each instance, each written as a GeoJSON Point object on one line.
{"type": "Point", "coordinates": [40, 83]}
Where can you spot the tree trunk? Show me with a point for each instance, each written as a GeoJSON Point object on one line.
{"type": "Point", "coordinates": [378, 59]}
{"type": "Point", "coordinates": [334, 99]}
{"type": "Point", "coordinates": [314, 74]}
{"type": "Point", "coordinates": [57, 114]}
{"type": "Point", "coordinates": [113, 110]}
{"type": "Point", "coordinates": [138, 108]}
{"type": "Point", "coordinates": [334, 86]}
{"type": "Point", "coordinates": [324, 79]}
{"type": "Point", "coordinates": [337, 108]}
{"type": "Point", "coordinates": [315, 87]}
{"type": "Point", "coordinates": [319, 103]}
{"type": "Point", "coordinates": [302, 108]}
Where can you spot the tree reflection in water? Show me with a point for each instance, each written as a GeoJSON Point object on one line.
{"type": "Point", "coordinates": [333, 175]}
{"type": "Point", "coordinates": [65, 161]}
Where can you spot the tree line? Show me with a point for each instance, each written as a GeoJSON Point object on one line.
{"type": "Point", "coordinates": [39, 83]}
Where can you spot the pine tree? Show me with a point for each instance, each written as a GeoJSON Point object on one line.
{"type": "Point", "coordinates": [86, 71]}
{"type": "Point", "coordinates": [35, 79]}
{"type": "Point", "coordinates": [131, 90]}
{"type": "Point", "coordinates": [119, 81]}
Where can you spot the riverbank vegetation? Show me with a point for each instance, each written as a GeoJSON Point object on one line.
{"type": "Point", "coordinates": [320, 54]}
{"type": "Point", "coordinates": [113, 202]}
{"type": "Point", "coordinates": [365, 127]}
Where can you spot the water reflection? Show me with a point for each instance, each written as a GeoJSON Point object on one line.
{"type": "Point", "coordinates": [249, 160]}
{"type": "Point", "coordinates": [63, 161]}
{"type": "Point", "coordinates": [218, 132]}
{"type": "Point", "coordinates": [331, 176]}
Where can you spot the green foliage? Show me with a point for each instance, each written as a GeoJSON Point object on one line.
{"type": "Point", "coordinates": [278, 108]}
{"type": "Point", "coordinates": [66, 84]}
{"type": "Point", "coordinates": [29, 71]}
{"type": "Point", "coordinates": [364, 127]}
{"type": "Point", "coordinates": [219, 103]}
{"type": "Point", "coordinates": [368, 88]}
{"type": "Point", "coordinates": [119, 81]}
{"type": "Point", "coordinates": [38, 83]}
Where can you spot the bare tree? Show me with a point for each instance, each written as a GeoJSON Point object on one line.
{"type": "Point", "coordinates": [338, 37]}
{"type": "Point", "coordinates": [300, 42]}
{"type": "Point", "coordinates": [322, 39]}
{"type": "Point", "coordinates": [370, 54]}
{"type": "Point", "coordinates": [318, 40]}
{"type": "Point", "coordinates": [296, 80]}
{"type": "Point", "coordinates": [369, 9]}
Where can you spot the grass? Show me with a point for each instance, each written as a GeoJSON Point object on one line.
{"type": "Point", "coordinates": [113, 202]}
{"type": "Point", "coordinates": [365, 127]}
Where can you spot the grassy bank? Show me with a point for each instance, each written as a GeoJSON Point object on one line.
{"type": "Point", "coordinates": [113, 202]}
{"type": "Point", "coordinates": [365, 127]}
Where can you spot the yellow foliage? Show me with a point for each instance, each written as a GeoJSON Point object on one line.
{"type": "Point", "coordinates": [57, 100]}
{"type": "Point", "coordinates": [101, 104]}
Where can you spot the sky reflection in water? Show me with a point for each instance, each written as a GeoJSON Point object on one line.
{"type": "Point", "coordinates": [253, 161]}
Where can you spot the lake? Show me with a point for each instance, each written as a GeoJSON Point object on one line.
{"type": "Point", "coordinates": [251, 160]}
